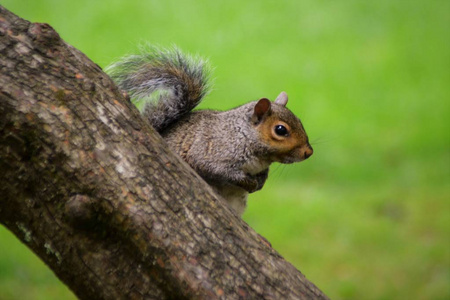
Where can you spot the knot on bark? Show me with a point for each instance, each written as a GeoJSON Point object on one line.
{"type": "Point", "coordinates": [45, 38]}
{"type": "Point", "coordinates": [43, 33]}
{"type": "Point", "coordinates": [79, 211]}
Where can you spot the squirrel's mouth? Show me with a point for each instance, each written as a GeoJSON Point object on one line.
{"type": "Point", "coordinates": [290, 160]}
{"type": "Point", "coordinates": [297, 155]}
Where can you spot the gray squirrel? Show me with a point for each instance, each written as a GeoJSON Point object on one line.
{"type": "Point", "coordinates": [231, 150]}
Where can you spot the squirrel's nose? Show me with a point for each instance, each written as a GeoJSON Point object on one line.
{"type": "Point", "coordinates": [308, 151]}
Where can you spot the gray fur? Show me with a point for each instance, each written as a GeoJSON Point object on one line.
{"type": "Point", "coordinates": [153, 70]}
{"type": "Point", "coordinates": [225, 148]}
{"type": "Point", "coordinates": [208, 145]}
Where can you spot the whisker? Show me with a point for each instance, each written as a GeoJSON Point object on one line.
{"type": "Point", "coordinates": [276, 173]}
{"type": "Point", "coordinates": [323, 140]}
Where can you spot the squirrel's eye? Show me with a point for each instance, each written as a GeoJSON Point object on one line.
{"type": "Point", "coordinates": [281, 130]}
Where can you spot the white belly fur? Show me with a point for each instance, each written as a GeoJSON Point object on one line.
{"type": "Point", "coordinates": [255, 166]}
{"type": "Point", "coordinates": [236, 197]}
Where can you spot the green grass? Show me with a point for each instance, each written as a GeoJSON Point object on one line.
{"type": "Point", "coordinates": [23, 275]}
{"type": "Point", "coordinates": [368, 216]}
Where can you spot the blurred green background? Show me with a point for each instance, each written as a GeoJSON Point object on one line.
{"type": "Point", "coordinates": [368, 215]}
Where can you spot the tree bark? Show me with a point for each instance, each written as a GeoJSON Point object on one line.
{"type": "Point", "coordinates": [90, 187]}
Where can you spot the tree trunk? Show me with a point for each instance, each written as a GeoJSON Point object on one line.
{"type": "Point", "coordinates": [90, 187]}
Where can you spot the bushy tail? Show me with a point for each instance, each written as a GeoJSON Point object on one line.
{"type": "Point", "coordinates": [177, 81]}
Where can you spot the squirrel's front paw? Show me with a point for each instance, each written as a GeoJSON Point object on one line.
{"type": "Point", "coordinates": [261, 179]}
{"type": "Point", "coordinates": [253, 183]}
{"type": "Point", "coordinates": [249, 184]}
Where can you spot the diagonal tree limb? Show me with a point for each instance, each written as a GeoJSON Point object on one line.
{"type": "Point", "coordinates": [90, 187]}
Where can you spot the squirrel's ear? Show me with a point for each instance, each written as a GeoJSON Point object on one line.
{"type": "Point", "coordinates": [262, 107]}
{"type": "Point", "coordinates": [282, 99]}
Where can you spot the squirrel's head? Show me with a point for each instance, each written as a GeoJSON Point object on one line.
{"type": "Point", "coordinates": [281, 131]}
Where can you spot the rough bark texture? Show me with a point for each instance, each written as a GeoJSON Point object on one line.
{"type": "Point", "coordinates": [87, 185]}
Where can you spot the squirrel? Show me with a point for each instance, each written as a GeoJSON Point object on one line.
{"type": "Point", "coordinates": [231, 150]}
